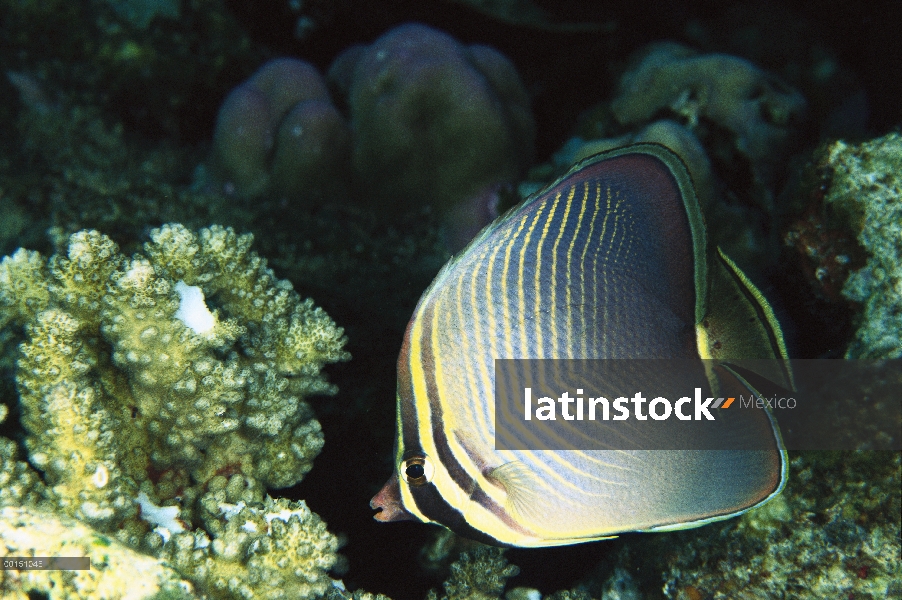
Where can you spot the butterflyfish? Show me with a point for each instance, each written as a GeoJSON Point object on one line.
{"type": "Point", "coordinates": [609, 261]}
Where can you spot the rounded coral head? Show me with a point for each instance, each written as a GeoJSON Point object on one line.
{"type": "Point", "coordinates": [278, 132]}
{"type": "Point", "coordinates": [435, 121]}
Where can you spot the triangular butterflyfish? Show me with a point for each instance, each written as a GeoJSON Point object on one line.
{"type": "Point", "coordinates": [609, 261]}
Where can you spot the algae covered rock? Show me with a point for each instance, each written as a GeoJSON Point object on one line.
{"type": "Point", "coordinates": [713, 91]}
{"type": "Point", "coordinates": [866, 186]}
{"type": "Point", "coordinates": [833, 533]}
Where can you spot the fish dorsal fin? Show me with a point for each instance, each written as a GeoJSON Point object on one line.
{"type": "Point", "coordinates": [740, 324]}
{"type": "Point", "coordinates": [524, 493]}
{"type": "Point", "coordinates": [609, 261]}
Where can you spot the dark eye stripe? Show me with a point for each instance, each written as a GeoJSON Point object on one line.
{"type": "Point", "coordinates": [431, 504]}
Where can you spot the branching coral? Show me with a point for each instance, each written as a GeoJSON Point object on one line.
{"type": "Point", "coordinates": [19, 484]}
{"type": "Point", "coordinates": [277, 549]}
{"type": "Point", "coordinates": [126, 399]}
{"type": "Point", "coordinates": [478, 575]}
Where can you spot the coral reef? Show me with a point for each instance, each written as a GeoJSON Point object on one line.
{"type": "Point", "coordinates": [135, 394]}
{"type": "Point", "coordinates": [78, 170]}
{"type": "Point", "coordinates": [339, 592]}
{"type": "Point", "coordinates": [732, 124]}
{"type": "Point", "coordinates": [620, 586]}
{"type": "Point", "coordinates": [19, 484]}
{"type": "Point", "coordinates": [787, 44]}
{"type": "Point", "coordinates": [834, 532]}
{"type": "Point", "coordinates": [826, 247]}
{"type": "Point", "coordinates": [744, 119]}
{"type": "Point", "coordinates": [162, 80]}
{"type": "Point", "coordinates": [865, 187]}
{"type": "Point", "coordinates": [108, 108]}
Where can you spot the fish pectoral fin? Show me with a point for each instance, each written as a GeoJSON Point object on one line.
{"type": "Point", "coordinates": [524, 490]}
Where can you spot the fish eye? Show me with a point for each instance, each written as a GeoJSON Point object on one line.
{"type": "Point", "coordinates": [416, 470]}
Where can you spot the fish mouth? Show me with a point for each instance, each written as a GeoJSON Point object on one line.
{"type": "Point", "coordinates": [389, 505]}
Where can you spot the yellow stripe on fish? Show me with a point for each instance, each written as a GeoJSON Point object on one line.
{"type": "Point", "coordinates": [609, 261]}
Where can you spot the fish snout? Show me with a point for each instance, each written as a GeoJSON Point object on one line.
{"type": "Point", "coordinates": [388, 503]}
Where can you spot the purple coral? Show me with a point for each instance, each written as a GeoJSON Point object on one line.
{"type": "Point", "coordinates": [432, 123]}
{"type": "Point", "coordinates": [435, 122]}
{"type": "Point", "coordinates": [243, 139]}
{"type": "Point", "coordinates": [279, 132]}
